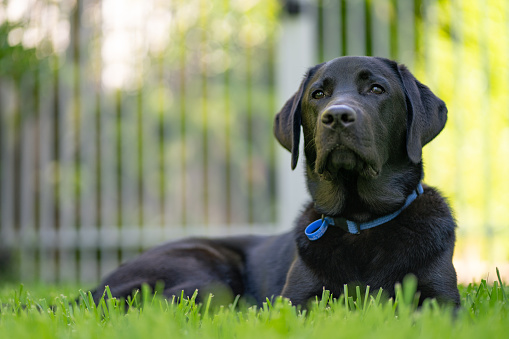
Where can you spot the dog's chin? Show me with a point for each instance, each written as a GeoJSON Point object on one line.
{"type": "Point", "coordinates": [342, 160]}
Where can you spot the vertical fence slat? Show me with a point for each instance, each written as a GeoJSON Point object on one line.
{"type": "Point", "coordinates": [162, 149]}
{"type": "Point", "coordinates": [26, 201]}
{"type": "Point", "coordinates": [164, 95]}
{"type": "Point", "coordinates": [331, 23]}
{"type": "Point", "coordinates": [406, 22]}
{"type": "Point", "coordinates": [150, 167]}
{"type": "Point", "coordinates": [3, 246]}
{"type": "Point", "coordinates": [17, 127]}
{"type": "Point", "coordinates": [249, 137]}
{"type": "Point", "coordinates": [108, 231]}
{"type": "Point", "coordinates": [37, 169]}
{"type": "Point", "coordinates": [183, 110]}
{"type": "Point", "coordinates": [204, 108]}
{"type": "Point", "coordinates": [47, 231]}
{"type": "Point", "coordinates": [356, 27]}
{"type": "Point", "coordinates": [272, 109]}
{"type": "Point", "coordinates": [97, 118]}
{"type": "Point", "coordinates": [88, 239]}
{"type": "Point", "coordinates": [7, 182]}
{"type": "Point", "coordinates": [66, 203]}
{"type": "Point", "coordinates": [76, 122]}
{"type": "Point", "coordinates": [216, 206]}
{"type": "Point", "coordinates": [182, 92]}
{"type": "Point", "coordinates": [128, 240]}
{"type": "Point", "coordinates": [380, 28]}
{"type": "Point", "coordinates": [240, 187]}
{"type": "Point", "coordinates": [228, 125]}
{"type": "Point", "coordinates": [87, 233]}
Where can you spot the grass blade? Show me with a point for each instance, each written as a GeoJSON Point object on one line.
{"type": "Point", "coordinates": [85, 299]}
{"type": "Point", "coordinates": [322, 304]}
{"type": "Point", "coordinates": [379, 296]}
{"type": "Point", "coordinates": [359, 298]}
{"type": "Point", "coordinates": [207, 306]}
{"type": "Point", "coordinates": [345, 291]}
{"type": "Point", "coordinates": [366, 297]}
{"type": "Point", "coordinates": [108, 292]}
{"type": "Point", "coordinates": [233, 306]}
{"type": "Point", "coordinates": [501, 285]}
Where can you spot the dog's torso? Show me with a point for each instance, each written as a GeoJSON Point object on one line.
{"type": "Point", "coordinates": [419, 241]}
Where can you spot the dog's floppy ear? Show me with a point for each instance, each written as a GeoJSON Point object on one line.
{"type": "Point", "coordinates": [287, 125]}
{"type": "Point", "coordinates": [426, 115]}
{"type": "Point", "coordinates": [288, 120]}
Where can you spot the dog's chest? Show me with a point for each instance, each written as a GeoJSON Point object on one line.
{"type": "Point", "coordinates": [343, 258]}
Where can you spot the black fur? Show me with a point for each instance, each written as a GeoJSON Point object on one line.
{"type": "Point", "coordinates": [363, 141]}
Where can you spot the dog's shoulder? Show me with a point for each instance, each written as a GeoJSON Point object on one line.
{"type": "Point", "coordinates": [428, 224]}
{"type": "Point", "coordinates": [431, 211]}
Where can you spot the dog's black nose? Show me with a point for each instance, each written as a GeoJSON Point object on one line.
{"type": "Point", "coordinates": [339, 115]}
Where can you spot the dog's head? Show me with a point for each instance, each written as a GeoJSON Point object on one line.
{"type": "Point", "coordinates": [365, 121]}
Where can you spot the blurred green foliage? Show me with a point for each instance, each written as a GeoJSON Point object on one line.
{"type": "Point", "coordinates": [15, 60]}
{"type": "Point", "coordinates": [465, 62]}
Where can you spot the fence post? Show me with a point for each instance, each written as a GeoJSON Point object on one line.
{"type": "Point", "coordinates": [296, 52]}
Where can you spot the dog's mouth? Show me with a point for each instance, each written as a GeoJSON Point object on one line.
{"type": "Point", "coordinates": [332, 162]}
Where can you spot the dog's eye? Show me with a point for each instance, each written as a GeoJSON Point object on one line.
{"type": "Point", "coordinates": [377, 89]}
{"type": "Point", "coordinates": [318, 94]}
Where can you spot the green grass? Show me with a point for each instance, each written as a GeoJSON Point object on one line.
{"type": "Point", "coordinates": [26, 314]}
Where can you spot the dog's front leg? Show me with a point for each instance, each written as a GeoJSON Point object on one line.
{"type": "Point", "coordinates": [301, 283]}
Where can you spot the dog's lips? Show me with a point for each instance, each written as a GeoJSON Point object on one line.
{"type": "Point", "coordinates": [340, 157]}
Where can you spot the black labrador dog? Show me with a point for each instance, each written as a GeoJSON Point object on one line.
{"type": "Point", "coordinates": [370, 220]}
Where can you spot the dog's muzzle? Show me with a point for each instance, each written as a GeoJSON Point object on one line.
{"type": "Point", "coordinates": [338, 143]}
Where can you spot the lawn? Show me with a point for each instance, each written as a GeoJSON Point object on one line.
{"type": "Point", "coordinates": [25, 313]}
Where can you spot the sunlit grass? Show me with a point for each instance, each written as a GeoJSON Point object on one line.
{"type": "Point", "coordinates": [26, 313]}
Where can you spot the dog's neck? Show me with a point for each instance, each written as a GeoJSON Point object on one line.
{"type": "Point", "coordinates": [317, 229]}
{"type": "Point", "coordinates": [360, 199]}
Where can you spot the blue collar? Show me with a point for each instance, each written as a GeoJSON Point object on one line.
{"type": "Point", "coordinates": [317, 229]}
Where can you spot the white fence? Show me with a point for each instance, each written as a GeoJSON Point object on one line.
{"type": "Point", "coordinates": [142, 121]}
